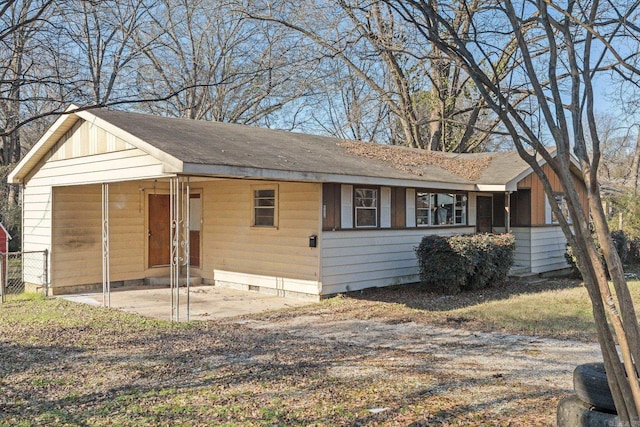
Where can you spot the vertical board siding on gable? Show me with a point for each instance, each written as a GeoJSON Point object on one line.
{"type": "Point", "coordinates": [353, 260]}
{"type": "Point", "coordinates": [539, 201]}
{"type": "Point", "coordinates": [77, 236]}
{"type": "Point", "coordinates": [281, 256]}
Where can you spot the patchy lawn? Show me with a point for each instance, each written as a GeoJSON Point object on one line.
{"type": "Point", "coordinates": [382, 357]}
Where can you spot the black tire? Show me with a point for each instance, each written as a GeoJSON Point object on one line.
{"type": "Point", "coordinates": [573, 412]}
{"type": "Point", "coordinates": [590, 385]}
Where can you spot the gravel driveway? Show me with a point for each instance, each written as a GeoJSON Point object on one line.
{"type": "Point", "coordinates": [488, 362]}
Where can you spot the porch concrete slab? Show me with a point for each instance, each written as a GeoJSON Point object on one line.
{"type": "Point", "coordinates": [205, 302]}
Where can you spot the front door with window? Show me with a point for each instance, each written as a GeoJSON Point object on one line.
{"type": "Point", "coordinates": [159, 230]}
{"type": "Point", "coordinates": [195, 212]}
{"type": "Point", "coordinates": [484, 214]}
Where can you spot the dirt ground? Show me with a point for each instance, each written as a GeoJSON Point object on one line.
{"type": "Point", "coordinates": [317, 364]}
{"type": "Point", "coordinates": [497, 372]}
{"type": "Point", "coordinates": [481, 357]}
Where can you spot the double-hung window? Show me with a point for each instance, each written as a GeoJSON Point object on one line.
{"type": "Point", "coordinates": [265, 209]}
{"type": "Point", "coordinates": [366, 207]}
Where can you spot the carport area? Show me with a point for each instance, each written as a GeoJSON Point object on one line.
{"type": "Point", "coordinates": [205, 302]}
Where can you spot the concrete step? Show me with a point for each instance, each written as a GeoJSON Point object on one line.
{"type": "Point", "coordinates": [519, 270]}
{"type": "Point", "coordinates": [527, 277]}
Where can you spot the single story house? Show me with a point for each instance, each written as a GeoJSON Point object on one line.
{"type": "Point", "coordinates": [282, 212]}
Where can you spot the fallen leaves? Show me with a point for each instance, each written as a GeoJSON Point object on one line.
{"type": "Point", "coordinates": [414, 161]}
{"type": "Point", "coordinates": [101, 367]}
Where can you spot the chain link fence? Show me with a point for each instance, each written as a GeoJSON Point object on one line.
{"type": "Point", "coordinates": [20, 268]}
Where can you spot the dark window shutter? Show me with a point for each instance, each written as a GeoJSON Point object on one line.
{"type": "Point", "coordinates": [330, 206]}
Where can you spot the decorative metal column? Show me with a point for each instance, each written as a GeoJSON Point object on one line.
{"type": "Point", "coordinates": [106, 273]}
{"type": "Point", "coordinates": [179, 217]}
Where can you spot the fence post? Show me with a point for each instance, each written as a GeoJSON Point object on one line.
{"type": "Point", "coordinates": [3, 275]}
{"type": "Point", "coordinates": [45, 275]}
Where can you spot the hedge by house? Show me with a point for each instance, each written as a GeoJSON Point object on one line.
{"type": "Point", "coordinates": [458, 263]}
{"type": "Point", "coordinates": [623, 245]}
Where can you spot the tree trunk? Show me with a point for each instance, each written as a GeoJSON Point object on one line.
{"type": "Point", "coordinates": [635, 166]}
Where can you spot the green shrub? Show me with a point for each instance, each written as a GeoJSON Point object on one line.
{"type": "Point", "coordinates": [621, 243]}
{"type": "Point", "coordinates": [624, 248]}
{"type": "Point", "coordinates": [454, 264]}
{"type": "Point", "coordinates": [440, 266]}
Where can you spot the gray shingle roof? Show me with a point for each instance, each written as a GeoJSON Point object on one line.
{"type": "Point", "coordinates": [232, 145]}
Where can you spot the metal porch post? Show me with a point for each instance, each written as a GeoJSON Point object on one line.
{"type": "Point", "coordinates": [180, 241]}
{"type": "Point", "coordinates": [106, 273]}
{"type": "Point", "coordinates": [507, 211]}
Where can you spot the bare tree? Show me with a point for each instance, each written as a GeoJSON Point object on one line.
{"type": "Point", "coordinates": [430, 101]}
{"type": "Point", "coordinates": [561, 48]}
{"type": "Point", "coordinates": [102, 37]}
{"type": "Point", "coordinates": [221, 65]}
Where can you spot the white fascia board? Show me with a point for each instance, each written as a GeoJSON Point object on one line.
{"type": "Point", "coordinates": [283, 175]}
{"type": "Point", "coordinates": [172, 164]}
{"type": "Point", "coordinates": [495, 188]}
{"type": "Point", "coordinates": [109, 180]}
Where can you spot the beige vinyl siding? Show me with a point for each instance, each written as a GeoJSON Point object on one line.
{"type": "Point", "coordinates": [85, 155]}
{"type": "Point", "coordinates": [548, 246]}
{"type": "Point", "coordinates": [37, 218]}
{"type": "Point", "coordinates": [522, 257]}
{"type": "Point", "coordinates": [109, 167]}
{"type": "Point", "coordinates": [353, 260]}
{"type": "Point", "coordinates": [272, 257]}
{"type": "Point", "coordinates": [541, 249]}
{"type": "Point", "coordinates": [86, 139]}
{"type": "Point", "coordinates": [77, 239]}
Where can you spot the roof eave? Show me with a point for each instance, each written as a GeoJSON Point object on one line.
{"type": "Point", "coordinates": [574, 164]}
{"type": "Point", "coordinates": [244, 172]}
{"type": "Point", "coordinates": [64, 123]}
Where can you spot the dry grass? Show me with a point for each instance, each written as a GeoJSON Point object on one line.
{"type": "Point", "coordinates": [552, 309]}
{"type": "Point", "coordinates": [69, 364]}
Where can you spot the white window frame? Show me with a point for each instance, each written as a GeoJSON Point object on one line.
{"type": "Point", "coordinates": [375, 208]}
{"type": "Point", "coordinates": [255, 204]}
{"type": "Point", "coordinates": [459, 205]}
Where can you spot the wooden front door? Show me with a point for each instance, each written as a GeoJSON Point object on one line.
{"type": "Point", "coordinates": [484, 215]}
{"type": "Point", "coordinates": [159, 230]}
{"type": "Point", "coordinates": [195, 212]}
